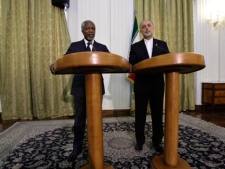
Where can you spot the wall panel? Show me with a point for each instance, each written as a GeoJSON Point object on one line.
{"type": "Point", "coordinates": [209, 42]}
{"type": "Point", "coordinates": [114, 23]}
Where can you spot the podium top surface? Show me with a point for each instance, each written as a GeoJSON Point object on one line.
{"type": "Point", "coordinates": [185, 62]}
{"type": "Point", "coordinates": [91, 62]}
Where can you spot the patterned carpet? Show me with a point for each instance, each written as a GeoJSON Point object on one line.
{"type": "Point", "coordinates": [47, 144]}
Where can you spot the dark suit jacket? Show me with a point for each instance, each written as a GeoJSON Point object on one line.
{"type": "Point", "coordinates": [139, 53]}
{"type": "Point", "coordinates": [78, 85]}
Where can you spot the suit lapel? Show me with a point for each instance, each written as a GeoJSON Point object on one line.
{"type": "Point", "coordinates": [144, 49]}
{"type": "Point", "coordinates": [154, 48]}
{"type": "Point", "coordinates": [82, 46]}
{"type": "Point", "coordinates": [96, 46]}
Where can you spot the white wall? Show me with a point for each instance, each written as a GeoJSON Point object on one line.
{"type": "Point", "coordinates": [210, 43]}
{"type": "Point", "coordinates": [114, 23]}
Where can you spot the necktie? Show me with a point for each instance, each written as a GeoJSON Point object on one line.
{"type": "Point", "coordinates": [88, 46]}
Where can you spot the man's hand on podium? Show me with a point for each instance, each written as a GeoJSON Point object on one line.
{"type": "Point", "coordinates": [52, 69]}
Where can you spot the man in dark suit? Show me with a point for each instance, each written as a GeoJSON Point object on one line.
{"type": "Point", "coordinates": [148, 87]}
{"type": "Point", "coordinates": [78, 85]}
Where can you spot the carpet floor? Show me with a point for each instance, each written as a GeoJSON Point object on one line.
{"type": "Point", "coordinates": [47, 144]}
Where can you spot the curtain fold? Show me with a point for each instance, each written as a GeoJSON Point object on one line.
{"type": "Point", "coordinates": [173, 21]}
{"type": "Point", "coordinates": [34, 35]}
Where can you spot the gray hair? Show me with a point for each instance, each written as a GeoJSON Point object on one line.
{"type": "Point", "coordinates": [145, 20]}
{"type": "Point", "coordinates": [84, 24]}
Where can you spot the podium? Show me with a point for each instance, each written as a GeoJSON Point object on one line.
{"type": "Point", "coordinates": [93, 64]}
{"type": "Point", "coordinates": [172, 64]}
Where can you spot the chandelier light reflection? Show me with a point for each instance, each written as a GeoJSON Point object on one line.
{"type": "Point", "coordinates": [216, 13]}
{"type": "Point", "coordinates": [217, 21]}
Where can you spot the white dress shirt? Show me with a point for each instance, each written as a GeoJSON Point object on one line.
{"type": "Point", "coordinates": [149, 46]}
{"type": "Point", "coordinates": [91, 45]}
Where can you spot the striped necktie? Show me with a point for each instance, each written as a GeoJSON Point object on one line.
{"type": "Point", "coordinates": [88, 46]}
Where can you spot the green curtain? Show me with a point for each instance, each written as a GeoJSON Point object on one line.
{"type": "Point", "coordinates": [173, 21]}
{"type": "Point", "coordinates": [33, 35]}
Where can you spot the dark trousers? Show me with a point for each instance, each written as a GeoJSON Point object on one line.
{"type": "Point", "coordinates": [154, 95]}
{"type": "Point", "coordinates": [79, 122]}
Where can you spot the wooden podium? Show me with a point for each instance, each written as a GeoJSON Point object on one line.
{"type": "Point", "coordinates": [172, 64]}
{"type": "Point", "coordinates": [92, 64]}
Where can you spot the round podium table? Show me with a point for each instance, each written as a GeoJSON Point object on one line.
{"type": "Point", "coordinates": [93, 64]}
{"type": "Point", "coordinates": [172, 65]}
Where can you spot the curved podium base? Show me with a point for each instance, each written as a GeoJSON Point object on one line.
{"type": "Point", "coordinates": [158, 163]}
{"type": "Point", "coordinates": [106, 166]}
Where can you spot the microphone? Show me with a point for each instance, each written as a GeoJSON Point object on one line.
{"type": "Point", "coordinates": [162, 48]}
{"type": "Point", "coordinates": [93, 48]}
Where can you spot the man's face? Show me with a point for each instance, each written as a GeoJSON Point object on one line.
{"type": "Point", "coordinates": [147, 29]}
{"type": "Point", "coordinates": [89, 31]}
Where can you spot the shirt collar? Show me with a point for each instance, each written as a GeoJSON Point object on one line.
{"type": "Point", "coordinates": [88, 41]}
{"type": "Point", "coordinates": [148, 41]}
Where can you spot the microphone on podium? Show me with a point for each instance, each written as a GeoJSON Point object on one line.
{"type": "Point", "coordinates": [93, 48]}
{"type": "Point", "coordinates": [162, 48]}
